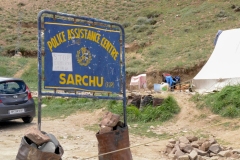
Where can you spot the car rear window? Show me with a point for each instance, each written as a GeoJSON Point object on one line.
{"type": "Point", "coordinates": [12, 87]}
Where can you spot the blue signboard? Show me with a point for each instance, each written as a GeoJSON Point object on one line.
{"type": "Point", "coordinates": [81, 56]}
{"type": "Point", "coordinates": [81, 53]}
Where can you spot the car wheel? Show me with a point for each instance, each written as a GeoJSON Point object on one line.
{"type": "Point", "coordinates": [27, 119]}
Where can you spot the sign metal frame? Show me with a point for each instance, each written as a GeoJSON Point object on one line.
{"type": "Point", "coordinates": [121, 74]}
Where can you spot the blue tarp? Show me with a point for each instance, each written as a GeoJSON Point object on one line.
{"type": "Point", "coordinates": [170, 80]}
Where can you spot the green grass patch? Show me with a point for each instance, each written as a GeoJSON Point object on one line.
{"type": "Point", "coordinates": [62, 107]}
{"type": "Point", "coordinates": [11, 66]}
{"type": "Point", "coordinates": [30, 76]}
{"type": "Point", "coordinates": [21, 67]}
{"type": "Point", "coordinates": [162, 113]}
{"type": "Point", "coordinates": [225, 103]}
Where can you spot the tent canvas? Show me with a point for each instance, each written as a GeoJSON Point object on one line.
{"type": "Point", "coordinates": [223, 66]}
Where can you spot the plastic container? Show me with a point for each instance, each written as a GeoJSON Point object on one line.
{"type": "Point", "coordinates": [53, 139]}
{"type": "Point", "coordinates": [164, 86]}
{"type": "Point", "coordinates": [157, 87]}
{"type": "Point", "coordinates": [48, 147]}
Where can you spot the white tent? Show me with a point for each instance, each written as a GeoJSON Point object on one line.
{"type": "Point", "coordinates": [223, 67]}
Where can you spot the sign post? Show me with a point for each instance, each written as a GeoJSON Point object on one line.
{"type": "Point", "coordinates": [81, 54]}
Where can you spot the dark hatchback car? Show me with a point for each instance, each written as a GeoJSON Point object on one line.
{"type": "Point", "coordinates": [16, 100]}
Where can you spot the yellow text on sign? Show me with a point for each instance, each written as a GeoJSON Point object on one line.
{"type": "Point", "coordinates": [81, 33]}
{"type": "Point", "coordinates": [81, 80]}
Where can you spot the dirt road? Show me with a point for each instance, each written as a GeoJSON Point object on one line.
{"type": "Point", "coordinates": [79, 143]}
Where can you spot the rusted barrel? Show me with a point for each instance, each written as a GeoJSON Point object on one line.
{"type": "Point", "coordinates": [113, 141]}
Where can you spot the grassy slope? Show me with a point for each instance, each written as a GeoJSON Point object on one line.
{"type": "Point", "coordinates": [182, 36]}
{"type": "Point", "coordinates": [25, 68]}
{"type": "Point", "coordinates": [225, 103]}
{"type": "Point", "coordinates": [10, 66]}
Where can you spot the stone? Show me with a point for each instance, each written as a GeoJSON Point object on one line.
{"type": "Point", "coordinates": [36, 136]}
{"type": "Point", "coordinates": [205, 146]}
{"type": "Point", "coordinates": [179, 153]}
{"type": "Point", "coordinates": [200, 152]}
{"type": "Point", "coordinates": [193, 155]}
{"type": "Point", "coordinates": [105, 129]}
{"type": "Point", "coordinates": [192, 138]}
{"type": "Point", "coordinates": [152, 127]}
{"type": "Point", "coordinates": [184, 140]}
{"type": "Point", "coordinates": [177, 150]}
{"type": "Point", "coordinates": [212, 140]}
{"type": "Point", "coordinates": [173, 141]}
{"type": "Point", "coordinates": [183, 157]}
{"type": "Point", "coordinates": [235, 156]}
{"type": "Point", "coordinates": [215, 148]}
{"type": "Point", "coordinates": [200, 158]}
{"type": "Point", "coordinates": [168, 150]}
{"type": "Point", "coordinates": [110, 120]}
{"type": "Point", "coordinates": [188, 148]}
{"type": "Point", "coordinates": [212, 154]}
{"type": "Point", "coordinates": [177, 143]}
{"type": "Point", "coordinates": [214, 158]}
{"type": "Point", "coordinates": [17, 55]}
{"type": "Point", "coordinates": [182, 145]}
{"type": "Point", "coordinates": [227, 153]}
{"type": "Point", "coordinates": [229, 148]}
{"type": "Point", "coordinates": [173, 151]}
{"type": "Point", "coordinates": [237, 9]}
{"type": "Point", "coordinates": [236, 151]}
{"type": "Point", "coordinates": [133, 94]}
{"type": "Point", "coordinates": [172, 156]}
{"type": "Point", "coordinates": [43, 105]}
{"type": "Point", "coordinates": [195, 144]}
{"type": "Point", "coordinates": [201, 140]}
{"type": "Point", "coordinates": [209, 149]}
{"type": "Point", "coordinates": [170, 145]}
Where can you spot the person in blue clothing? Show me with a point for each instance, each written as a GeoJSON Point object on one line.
{"type": "Point", "coordinates": [177, 80]}
{"type": "Point", "coordinates": [170, 81]}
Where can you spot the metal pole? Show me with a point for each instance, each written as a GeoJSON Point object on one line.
{"type": "Point", "coordinates": [123, 76]}
{"type": "Point", "coordinates": [39, 70]}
